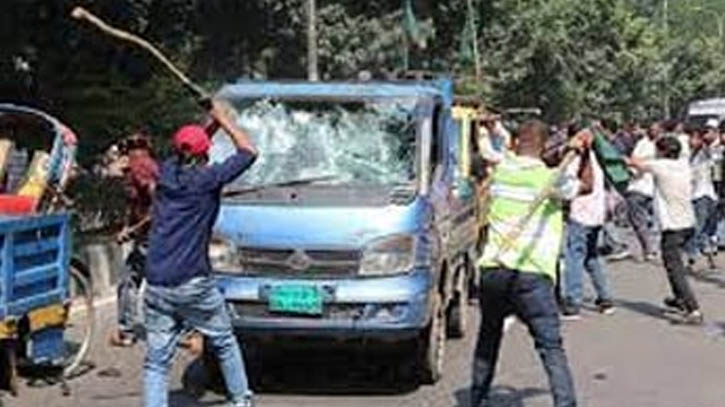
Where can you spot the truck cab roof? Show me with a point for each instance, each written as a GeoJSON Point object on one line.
{"type": "Point", "coordinates": [714, 106]}
{"type": "Point", "coordinates": [435, 89]}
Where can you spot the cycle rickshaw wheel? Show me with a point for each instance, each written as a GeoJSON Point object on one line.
{"type": "Point", "coordinates": [81, 323]}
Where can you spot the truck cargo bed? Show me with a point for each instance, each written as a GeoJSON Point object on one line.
{"type": "Point", "coordinates": [34, 263]}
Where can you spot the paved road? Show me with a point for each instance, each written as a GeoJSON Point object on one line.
{"type": "Point", "coordinates": [635, 358]}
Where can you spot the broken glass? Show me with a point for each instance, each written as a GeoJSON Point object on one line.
{"type": "Point", "coordinates": [369, 143]}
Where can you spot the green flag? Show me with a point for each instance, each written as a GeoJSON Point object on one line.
{"type": "Point", "coordinates": [612, 162]}
{"type": "Point", "coordinates": [410, 23]}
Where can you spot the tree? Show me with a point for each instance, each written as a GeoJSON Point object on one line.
{"type": "Point", "coordinates": [570, 57]}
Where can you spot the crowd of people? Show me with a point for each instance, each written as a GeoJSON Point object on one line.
{"type": "Point", "coordinates": [702, 147]}
{"type": "Point", "coordinates": [550, 187]}
{"type": "Point", "coordinates": [560, 181]}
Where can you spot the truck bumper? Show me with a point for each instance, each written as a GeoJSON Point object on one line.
{"type": "Point", "coordinates": [389, 309]}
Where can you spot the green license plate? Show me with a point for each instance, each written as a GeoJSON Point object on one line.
{"type": "Point", "coordinates": [296, 299]}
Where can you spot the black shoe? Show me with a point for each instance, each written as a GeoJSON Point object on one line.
{"type": "Point", "coordinates": [570, 312]}
{"type": "Point", "coordinates": [674, 303]}
{"type": "Point", "coordinates": [605, 307]}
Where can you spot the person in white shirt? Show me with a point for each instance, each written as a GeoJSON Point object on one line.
{"type": "Point", "coordinates": [587, 214]}
{"type": "Point", "coordinates": [640, 194]}
{"type": "Point", "coordinates": [717, 227]}
{"type": "Point", "coordinates": [673, 206]}
{"type": "Point", "coordinates": [704, 197]}
{"type": "Point", "coordinates": [493, 139]}
{"type": "Point", "coordinates": [676, 129]}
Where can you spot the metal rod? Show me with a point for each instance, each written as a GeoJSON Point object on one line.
{"type": "Point", "coordinates": [665, 91]}
{"type": "Point", "coordinates": [312, 69]}
{"type": "Point", "coordinates": [474, 39]}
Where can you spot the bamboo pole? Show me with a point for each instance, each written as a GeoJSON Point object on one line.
{"type": "Point", "coordinates": [79, 13]}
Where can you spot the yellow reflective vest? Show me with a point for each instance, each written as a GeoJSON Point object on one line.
{"type": "Point", "coordinates": [517, 181]}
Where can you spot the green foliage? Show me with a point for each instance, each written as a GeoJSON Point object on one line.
{"type": "Point", "coordinates": [617, 59]}
{"type": "Point", "coordinates": [571, 57]}
{"type": "Point", "coordinates": [99, 204]}
{"type": "Point", "coordinates": [349, 43]}
{"type": "Point", "coordinates": [612, 58]}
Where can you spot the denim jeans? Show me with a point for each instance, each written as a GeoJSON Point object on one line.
{"type": "Point", "coordinates": [128, 288]}
{"type": "Point", "coordinates": [640, 213]}
{"type": "Point", "coordinates": [530, 297]}
{"type": "Point", "coordinates": [171, 312]}
{"type": "Point", "coordinates": [673, 242]}
{"type": "Point", "coordinates": [611, 239]}
{"type": "Point", "coordinates": [704, 214]}
{"type": "Point", "coordinates": [710, 227]}
{"type": "Point", "coordinates": [581, 254]}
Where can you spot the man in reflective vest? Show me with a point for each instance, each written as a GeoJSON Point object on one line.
{"type": "Point", "coordinates": [519, 268]}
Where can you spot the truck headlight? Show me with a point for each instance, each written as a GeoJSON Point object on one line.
{"type": "Point", "coordinates": [223, 255]}
{"type": "Point", "coordinates": [390, 255]}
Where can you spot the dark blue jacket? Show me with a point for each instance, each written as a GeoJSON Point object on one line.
{"type": "Point", "coordinates": [186, 204]}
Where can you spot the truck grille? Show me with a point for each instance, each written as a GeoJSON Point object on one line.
{"type": "Point", "coordinates": [330, 311]}
{"type": "Point", "coordinates": [300, 263]}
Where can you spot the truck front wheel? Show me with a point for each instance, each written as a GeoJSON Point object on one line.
{"type": "Point", "coordinates": [457, 318]}
{"type": "Point", "coordinates": [204, 373]}
{"type": "Point", "coordinates": [432, 345]}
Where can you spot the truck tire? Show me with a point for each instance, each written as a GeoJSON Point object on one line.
{"type": "Point", "coordinates": [203, 374]}
{"type": "Point", "coordinates": [195, 379]}
{"type": "Point", "coordinates": [474, 288]}
{"type": "Point", "coordinates": [458, 309]}
{"type": "Point", "coordinates": [432, 345]}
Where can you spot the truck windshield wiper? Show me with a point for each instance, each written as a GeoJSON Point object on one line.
{"type": "Point", "coordinates": [291, 183]}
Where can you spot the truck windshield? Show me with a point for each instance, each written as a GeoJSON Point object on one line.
{"type": "Point", "coordinates": [365, 143]}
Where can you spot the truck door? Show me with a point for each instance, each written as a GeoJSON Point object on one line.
{"type": "Point", "coordinates": [463, 200]}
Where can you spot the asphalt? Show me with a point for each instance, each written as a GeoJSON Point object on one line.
{"type": "Point", "coordinates": [638, 357]}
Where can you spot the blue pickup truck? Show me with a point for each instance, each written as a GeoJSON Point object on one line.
{"type": "Point", "coordinates": [357, 222]}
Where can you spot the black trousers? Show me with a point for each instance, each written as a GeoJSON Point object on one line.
{"type": "Point", "coordinates": [531, 298]}
{"type": "Point", "coordinates": [673, 242]}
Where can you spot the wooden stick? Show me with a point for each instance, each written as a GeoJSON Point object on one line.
{"type": "Point", "coordinates": [80, 13]}
{"type": "Point", "coordinates": [139, 225]}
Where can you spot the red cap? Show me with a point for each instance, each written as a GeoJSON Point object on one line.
{"type": "Point", "coordinates": [192, 139]}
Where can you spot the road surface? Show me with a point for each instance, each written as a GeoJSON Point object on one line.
{"type": "Point", "coordinates": [635, 358]}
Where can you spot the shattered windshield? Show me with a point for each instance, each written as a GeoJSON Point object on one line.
{"type": "Point", "coordinates": [367, 143]}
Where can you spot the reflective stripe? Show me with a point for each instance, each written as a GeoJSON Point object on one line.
{"type": "Point", "coordinates": [535, 250]}
{"type": "Point", "coordinates": [518, 181]}
{"type": "Point", "coordinates": [534, 229]}
{"type": "Point", "coordinates": [515, 193]}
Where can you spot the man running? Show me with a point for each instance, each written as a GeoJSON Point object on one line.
{"type": "Point", "coordinates": [519, 272]}
{"type": "Point", "coordinates": [673, 194]}
{"type": "Point", "coordinates": [182, 295]}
